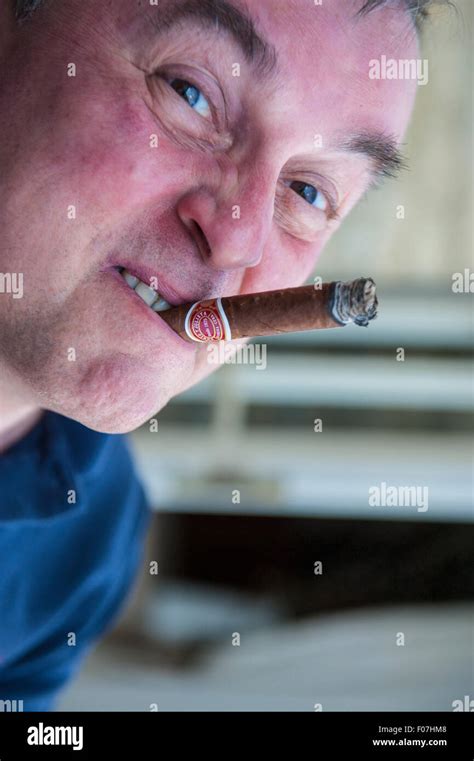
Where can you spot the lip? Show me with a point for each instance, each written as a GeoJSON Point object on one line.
{"type": "Point", "coordinates": [155, 320]}
{"type": "Point", "coordinates": [170, 294]}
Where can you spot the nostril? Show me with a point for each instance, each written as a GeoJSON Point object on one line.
{"type": "Point", "coordinates": [201, 240]}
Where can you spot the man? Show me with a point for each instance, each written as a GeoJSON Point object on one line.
{"type": "Point", "coordinates": [151, 154]}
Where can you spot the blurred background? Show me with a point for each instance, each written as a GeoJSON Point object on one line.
{"type": "Point", "coordinates": [270, 582]}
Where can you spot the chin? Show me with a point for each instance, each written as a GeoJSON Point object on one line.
{"type": "Point", "coordinates": [115, 396]}
{"type": "Point", "coordinates": [114, 421]}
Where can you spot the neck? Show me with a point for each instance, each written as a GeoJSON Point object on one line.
{"type": "Point", "coordinates": [18, 414]}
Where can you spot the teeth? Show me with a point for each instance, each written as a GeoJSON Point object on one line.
{"type": "Point", "coordinates": [130, 279]}
{"type": "Point", "coordinates": [149, 295]}
{"type": "Point", "coordinates": [161, 305]}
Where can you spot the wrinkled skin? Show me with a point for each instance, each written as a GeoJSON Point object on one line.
{"type": "Point", "coordinates": [84, 141]}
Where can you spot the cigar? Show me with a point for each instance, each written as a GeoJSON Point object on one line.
{"type": "Point", "coordinates": [290, 310]}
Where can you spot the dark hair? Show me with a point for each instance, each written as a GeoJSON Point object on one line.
{"type": "Point", "coordinates": [23, 8]}
{"type": "Point", "coordinates": [418, 9]}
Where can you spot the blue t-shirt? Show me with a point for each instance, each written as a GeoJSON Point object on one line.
{"type": "Point", "coordinates": [73, 520]}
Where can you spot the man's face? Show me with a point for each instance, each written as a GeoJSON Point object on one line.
{"type": "Point", "coordinates": [185, 152]}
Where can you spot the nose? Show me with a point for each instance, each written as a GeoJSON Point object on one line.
{"type": "Point", "coordinates": [231, 222]}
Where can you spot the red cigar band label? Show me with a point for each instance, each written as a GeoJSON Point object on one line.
{"type": "Point", "coordinates": [207, 322]}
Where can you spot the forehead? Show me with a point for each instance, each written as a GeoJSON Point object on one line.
{"type": "Point", "coordinates": [324, 53]}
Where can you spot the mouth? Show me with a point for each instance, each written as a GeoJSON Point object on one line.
{"type": "Point", "coordinates": [149, 295]}
{"type": "Point", "coordinates": [151, 300]}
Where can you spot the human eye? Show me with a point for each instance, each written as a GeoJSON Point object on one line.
{"type": "Point", "coordinates": [311, 194]}
{"type": "Point", "coordinates": [306, 202]}
{"type": "Point", "coordinates": [190, 106]}
{"type": "Point", "coordinates": [193, 96]}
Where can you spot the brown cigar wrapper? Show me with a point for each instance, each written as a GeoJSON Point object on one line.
{"type": "Point", "coordinates": [284, 311]}
{"type": "Point", "coordinates": [259, 314]}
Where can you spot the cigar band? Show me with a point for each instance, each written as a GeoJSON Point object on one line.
{"type": "Point", "coordinates": [206, 322]}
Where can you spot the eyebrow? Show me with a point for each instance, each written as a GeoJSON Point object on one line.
{"type": "Point", "coordinates": [221, 15]}
{"type": "Point", "coordinates": [387, 160]}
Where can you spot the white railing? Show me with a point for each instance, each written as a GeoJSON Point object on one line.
{"type": "Point", "coordinates": [288, 471]}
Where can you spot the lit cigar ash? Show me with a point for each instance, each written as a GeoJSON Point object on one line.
{"type": "Point", "coordinates": [269, 313]}
{"type": "Point", "coordinates": [355, 301]}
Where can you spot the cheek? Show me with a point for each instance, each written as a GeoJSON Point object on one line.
{"type": "Point", "coordinates": [286, 263]}
{"type": "Point", "coordinates": [120, 163]}
{"type": "Point", "coordinates": [115, 173]}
